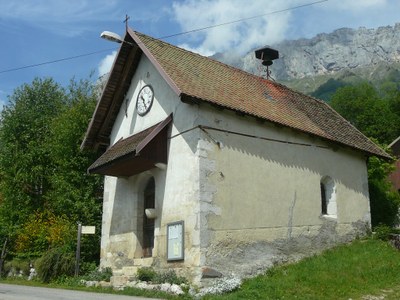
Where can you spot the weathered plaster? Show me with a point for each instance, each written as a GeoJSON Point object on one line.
{"type": "Point", "coordinates": [247, 203]}
{"type": "Point", "coordinates": [267, 206]}
{"type": "Point", "coordinates": [177, 187]}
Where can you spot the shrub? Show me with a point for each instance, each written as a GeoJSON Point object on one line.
{"type": "Point", "coordinates": [55, 263]}
{"type": "Point", "coordinates": [16, 266]}
{"type": "Point", "coordinates": [70, 281]}
{"type": "Point", "coordinates": [86, 268]}
{"type": "Point", "coordinates": [146, 274]}
{"type": "Point", "coordinates": [43, 230]}
{"type": "Point", "coordinates": [385, 202]}
{"type": "Point", "coordinates": [99, 275]}
{"type": "Point", "coordinates": [169, 277]}
{"type": "Point", "coordinates": [382, 232]}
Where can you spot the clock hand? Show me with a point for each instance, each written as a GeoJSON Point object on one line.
{"type": "Point", "coordinates": [143, 101]}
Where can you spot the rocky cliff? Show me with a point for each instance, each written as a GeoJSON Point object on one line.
{"type": "Point", "coordinates": [343, 49]}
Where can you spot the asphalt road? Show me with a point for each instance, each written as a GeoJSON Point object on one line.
{"type": "Point", "coordinates": [21, 292]}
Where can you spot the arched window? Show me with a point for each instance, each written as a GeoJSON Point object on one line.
{"type": "Point", "coordinates": [148, 224]}
{"type": "Point", "coordinates": [328, 197]}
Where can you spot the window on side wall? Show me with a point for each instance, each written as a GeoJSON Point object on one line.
{"type": "Point", "coordinates": [328, 197]}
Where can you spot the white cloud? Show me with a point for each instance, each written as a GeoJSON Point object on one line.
{"type": "Point", "coordinates": [241, 36]}
{"type": "Point", "coordinates": [273, 21]}
{"type": "Point", "coordinates": [106, 63]}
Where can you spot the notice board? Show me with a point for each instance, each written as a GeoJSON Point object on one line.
{"type": "Point", "coordinates": [175, 241]}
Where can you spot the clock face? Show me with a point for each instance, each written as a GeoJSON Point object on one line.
{"type": "Point", "coordinates": [144, 100]}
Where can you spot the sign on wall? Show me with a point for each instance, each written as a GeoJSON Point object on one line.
{"type": "Point", "coordinates": [175, 241]}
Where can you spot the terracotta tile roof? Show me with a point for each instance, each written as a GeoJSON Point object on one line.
{"type": "Point", "coordinates": [202, 79]}
{"type": "Point", "coordinates": [199, 79]}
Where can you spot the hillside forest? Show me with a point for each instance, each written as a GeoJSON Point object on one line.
{"type": "Point", "coordinates": [45, 189]}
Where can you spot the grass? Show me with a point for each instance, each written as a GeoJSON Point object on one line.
{"type": "Point", "coordinates": [365, 267]}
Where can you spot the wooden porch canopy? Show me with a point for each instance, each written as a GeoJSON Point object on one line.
{"type": "Point", "coordinates": [135, 154]}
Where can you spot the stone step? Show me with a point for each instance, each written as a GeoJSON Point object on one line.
{"type": "Point", "coordinates": [143, 262]}
{"type": "Point", "coordinates": [130, 270]}
{"type": "Point", "coordinates": [118, 272]}
{"type": "Point", "coordinates": [128, 273]}
{"type": "Point", "coordinates": [118, 281]}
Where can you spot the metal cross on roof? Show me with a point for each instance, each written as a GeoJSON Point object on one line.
{"type": "Point", "coordinates": [126, 22]}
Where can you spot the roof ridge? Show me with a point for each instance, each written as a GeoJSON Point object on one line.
{"type": "Point", "coordinates": [208, 58]}
{"type": "Point", "coordinates": [293, 109]}
{"type": "Point", "coordinates": [233, 68]}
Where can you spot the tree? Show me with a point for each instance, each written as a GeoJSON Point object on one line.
{"type": "Point", "coordinates": [24, 162]}
{"type": "Point", "coordinates": [326, 90]}
{"type": "Point", "coordinates": [364, 107]}
{"type": "Point", "coordinates": [72, 189]}
{"type": "Point", "coordinates": [384, 200]}
{"type": "Point", "coordinates": [42, 170]}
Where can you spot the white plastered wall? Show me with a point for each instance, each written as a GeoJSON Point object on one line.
{"type": "Point", "coordinates": [177, 187]}
{"type": "Point", "coordinates": [246, 202]}
{"type": "Point", "coordinates": [262, 198]}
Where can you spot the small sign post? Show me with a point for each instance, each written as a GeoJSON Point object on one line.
{"type": "Point", "coordinates": [81, 230]}
{"type": "Point", "coordinates": [78, 249]}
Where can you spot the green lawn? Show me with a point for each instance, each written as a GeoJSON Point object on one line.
{"type": "Point", "coordinates": [360, 270]}
{"type": "Point", "coordinates": [366, 267]}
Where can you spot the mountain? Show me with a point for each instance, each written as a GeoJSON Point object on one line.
{"type": "Point", "coordinates": [338, 58]}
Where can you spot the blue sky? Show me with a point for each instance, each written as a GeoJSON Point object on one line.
{"type": "Point", "coordinates": [37, 31]}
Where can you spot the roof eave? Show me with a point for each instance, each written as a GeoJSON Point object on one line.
{"type": "Point", "coordinates": [154, 61]}
{"type": "Point", "coordinates": [194, 100]}
{"type": "Point", "coordinates": [94, 132]}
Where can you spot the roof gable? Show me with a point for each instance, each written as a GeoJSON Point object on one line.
{"type": "Point", "coordinates": [199, 79]}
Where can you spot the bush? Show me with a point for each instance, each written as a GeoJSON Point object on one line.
{"type": "Point", "coordinates": [384, 204]}
{"type": "Point", "coordinates": [44, 230]}
{"type": "Point", "coordinates": [384, 201]}
{"type": "Point", "coordinates": [55, 263]}
{"type": "Point", "coordinates": [169, 277]}
{"type": "Point", "coordinates": [69, 281]}
{"type": "Point", "coordinates": [86, 268]}
{"type": "Point", "coordinates": [146, 274]}
{"type": "Point", "coordinates": [16, 266]}
{"type": "Point", "coordinates": [99, 275]}
{"type": "Point", "coordinates": [382, 232]}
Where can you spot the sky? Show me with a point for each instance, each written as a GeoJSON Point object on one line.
{"type": "Point", "coordinates": [35, 32]}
